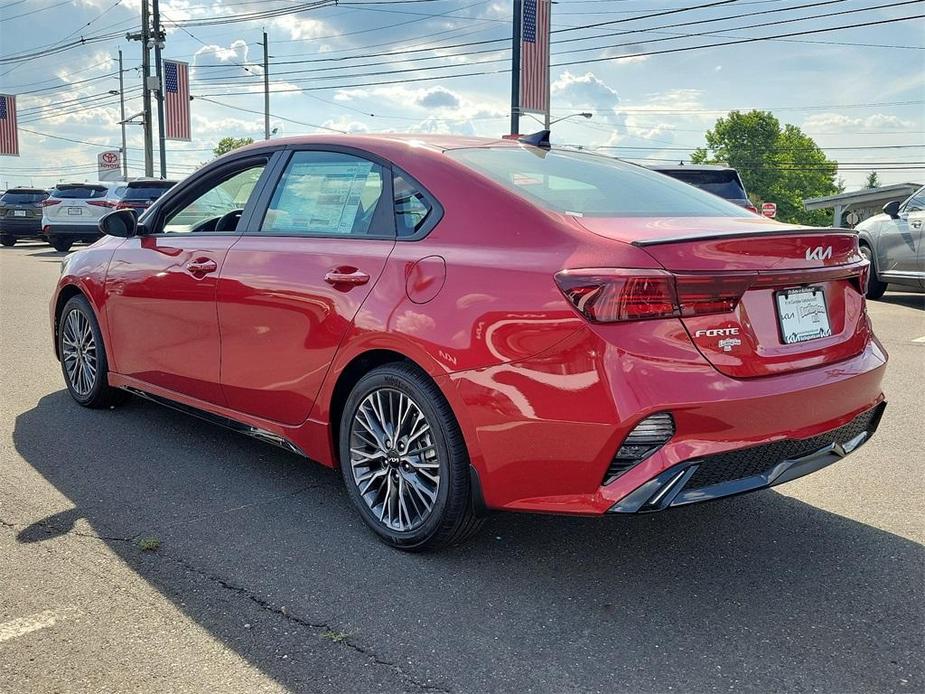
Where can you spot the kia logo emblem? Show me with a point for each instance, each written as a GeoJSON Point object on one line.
{"type": "Point", "coordinates": [819, 253]}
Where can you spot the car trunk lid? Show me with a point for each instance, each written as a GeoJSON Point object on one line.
{"type": "Point", "coordinates": [770, 298]}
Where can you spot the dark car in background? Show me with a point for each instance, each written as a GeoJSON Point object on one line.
{"type": "Point", "coordinates": [21, 214]}
{"type": "Point", "coordinates": [138, 195]}
{"type": "Point", "coordinates": [723, 181]}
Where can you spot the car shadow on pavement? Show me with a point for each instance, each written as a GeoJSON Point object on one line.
{"type": "Point", "coordinates": [760, 592]}
{"type": "Point", "coordinates": [908, 299]}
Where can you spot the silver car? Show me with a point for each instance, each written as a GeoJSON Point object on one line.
{"type": "Point", "coordinates": [893, 243]}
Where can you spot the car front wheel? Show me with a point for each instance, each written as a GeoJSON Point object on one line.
{"type": "Point", "coordinates": [83, 356]}
{"type": "Point", "coordinates": [404, 460]}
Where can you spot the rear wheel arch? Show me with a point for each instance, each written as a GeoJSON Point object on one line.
{"type": "Point", "coordinates": [351, 374]}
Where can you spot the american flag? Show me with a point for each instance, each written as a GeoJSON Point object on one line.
{"type": "Point", "coordinates": [9, 135]}
{"type": "Point", "coordinates": [176, 100]}
{"type": "Point", "coordinates": [534, 56]}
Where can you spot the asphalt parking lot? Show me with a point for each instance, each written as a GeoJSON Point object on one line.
{"type": "Point", "coordinates": [266, 580]}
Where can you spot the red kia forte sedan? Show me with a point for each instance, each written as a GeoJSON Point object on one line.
{"type": "Point", "coordinates": [463, 324]}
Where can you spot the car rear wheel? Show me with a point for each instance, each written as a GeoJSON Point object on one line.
{"type": "Point", "coordinates": [875, 288]}
{"type": "Point", "coordinates": [83, 356]}
{"type": "Point", "coordinates": [8, 240]}
{"type": "Point", "coordinates": [61, 245]}
{"type": "Point", "coordinates": [404, 460]}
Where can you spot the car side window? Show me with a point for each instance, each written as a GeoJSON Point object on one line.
{"type": "Point", "coordinates": [328, 194]}
{"type": "Point", "coordinates": [219, 208]}
{"type": "Point", "coordinates": [916, 203]}
{"type": "Point", "coordinates": [412, 208]}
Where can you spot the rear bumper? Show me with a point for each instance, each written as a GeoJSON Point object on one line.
{"type": "Point", "coordinates": [732, 473]}
{"type": "Point", "coordinates": [77, 231]}
{"type": "Point", "coordinates": [21, 227]}
{"type": "Point", "coordinates": [542, 433]}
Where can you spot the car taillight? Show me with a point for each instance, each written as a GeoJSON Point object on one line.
{"type": "Point", "coordinates": [49, 203]}
{"type": "Point", "coordinates": [101, 203]}
{"type": "Point", "coordinates": [45, 230]}
{"type": "Point", "coordinates": [704, 294]}
{"type": "Point", "coordinates": [609, 296]}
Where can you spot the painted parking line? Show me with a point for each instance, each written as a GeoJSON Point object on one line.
{"type": "Point", "coordinates": [919, 339]}
{"type": "Point", "coordinates": [41, 620]}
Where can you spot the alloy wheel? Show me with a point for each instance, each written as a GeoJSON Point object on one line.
{"type": "Point", "coordinates": [393, 458]}
{"type": "Point", "coordinates": [79, 352]}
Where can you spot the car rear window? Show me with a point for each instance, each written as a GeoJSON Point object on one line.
{"type": "Point", "coordinates": [79, 192]}
{"type": "Point", "coordinates": [23, 197]}
{"type": "Point", "coordinates": [585, 184]}
{"type": "Point", "coordinates": [139, 193]}
{"type": "Point", "coordinates": [726, 183]}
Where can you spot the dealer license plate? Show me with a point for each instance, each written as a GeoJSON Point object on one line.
{"type": "Point", "coordinates": [74, 210]}
{"type": "Point", "coordinates": [19, 213]}
{"type": "Point", "coordinates": [802, 314]}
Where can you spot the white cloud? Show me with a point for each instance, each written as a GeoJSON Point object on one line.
{"type": "Point", "coordinates": [438, 97]}
{"type": "Point", "coordinates": [840, 123]}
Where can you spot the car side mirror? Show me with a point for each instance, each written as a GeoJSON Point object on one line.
{"type": "Point", "coordinates": [892, 209]}
{"type": "Point", "coordinates": [121, 223]}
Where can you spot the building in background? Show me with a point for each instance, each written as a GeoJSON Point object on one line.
{"type": "Point", "coordinates": [850, 209]}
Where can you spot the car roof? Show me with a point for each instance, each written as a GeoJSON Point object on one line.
{"type": "Point", "coordinates": [436, 142]}
{"type": "Point", "coordinates": [24, 189]}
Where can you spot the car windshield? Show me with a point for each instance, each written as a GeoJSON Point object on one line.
{"type": "Point", "coordinates": [79, 192]}
{"type": "Point", "coordinates": [724, 183]}
{"type": "Point", "coordinates": [142, 193]}
{"type": "Point", "coordinates": [23, 197]}
{"type": "Point", "coordinates": [586, 184]}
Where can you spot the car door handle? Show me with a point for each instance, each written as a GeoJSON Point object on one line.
{"type": "Point", "coordinates": [916, 224]}
{"type": "Point", "coordinates": [201, 266]}
{"type": "Point", "coordinates": [346, 275]}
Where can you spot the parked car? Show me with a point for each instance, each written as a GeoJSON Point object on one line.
{"type": "Point", "coordinates": [894, 243]}
{"type": "Point", "coordinates": [72, 213]}
{"type": "Point", "coordinates": [139, 194]}
{"type": "Point", "coordinates": [462, 324]}
{"type": "Point", "coordinates": [21, 214]}
{"type": "Point", "coordinates": [723, 181]}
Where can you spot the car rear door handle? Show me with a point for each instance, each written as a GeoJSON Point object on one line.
{"type": "Point", "coordinates": [201, 266]}
{"type": "Point", "coordinates": [346, 275]}
{"type": "Point", "coordinates": [917, 224]}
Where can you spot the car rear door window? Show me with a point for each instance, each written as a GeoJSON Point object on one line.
{"type": "Point", "coordinates": [329, 194]}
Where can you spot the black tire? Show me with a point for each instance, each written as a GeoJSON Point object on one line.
{"type": "Point", "coordinates": [8, 240]}
{"type": "Point", "coordinates": [61, 245]}
{"type": "Point", "coordinates": [452, 517]}
{"type": "Point", "coordinates": [875, 288]}
{"type": "Point", "coordinates": [98, 393]}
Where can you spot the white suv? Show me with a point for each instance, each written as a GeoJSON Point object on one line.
{"type": "Point", "coordinates": [71, 212]}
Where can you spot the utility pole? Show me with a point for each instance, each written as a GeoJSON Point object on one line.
{"type": "Point", "coordinates": [266, 87]}
{"type": "Point", "coordinates": [515, 68]}
{"type": "Point", "coordinates": [145, 37]}
{"type": "Point", "coordinates": [122, 119]}
{"type": "Point", "coordinates": [158, 69]}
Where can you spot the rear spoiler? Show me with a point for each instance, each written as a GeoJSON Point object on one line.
{"type": "Point", "coordinates": [740, 234]}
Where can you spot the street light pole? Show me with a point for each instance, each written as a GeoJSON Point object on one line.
{"type": "Point", "coordinates": [266, 88]}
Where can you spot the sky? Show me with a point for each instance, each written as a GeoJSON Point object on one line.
{"type": "Point", "coordinates": [382, 66]}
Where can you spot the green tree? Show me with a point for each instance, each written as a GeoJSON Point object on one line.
{"type": "Point", "coordinates": [873, 180]}
{"type": "Point", "coordinates": [226, 144]}
{"type": "Point", "coordinates": [778, 164]}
